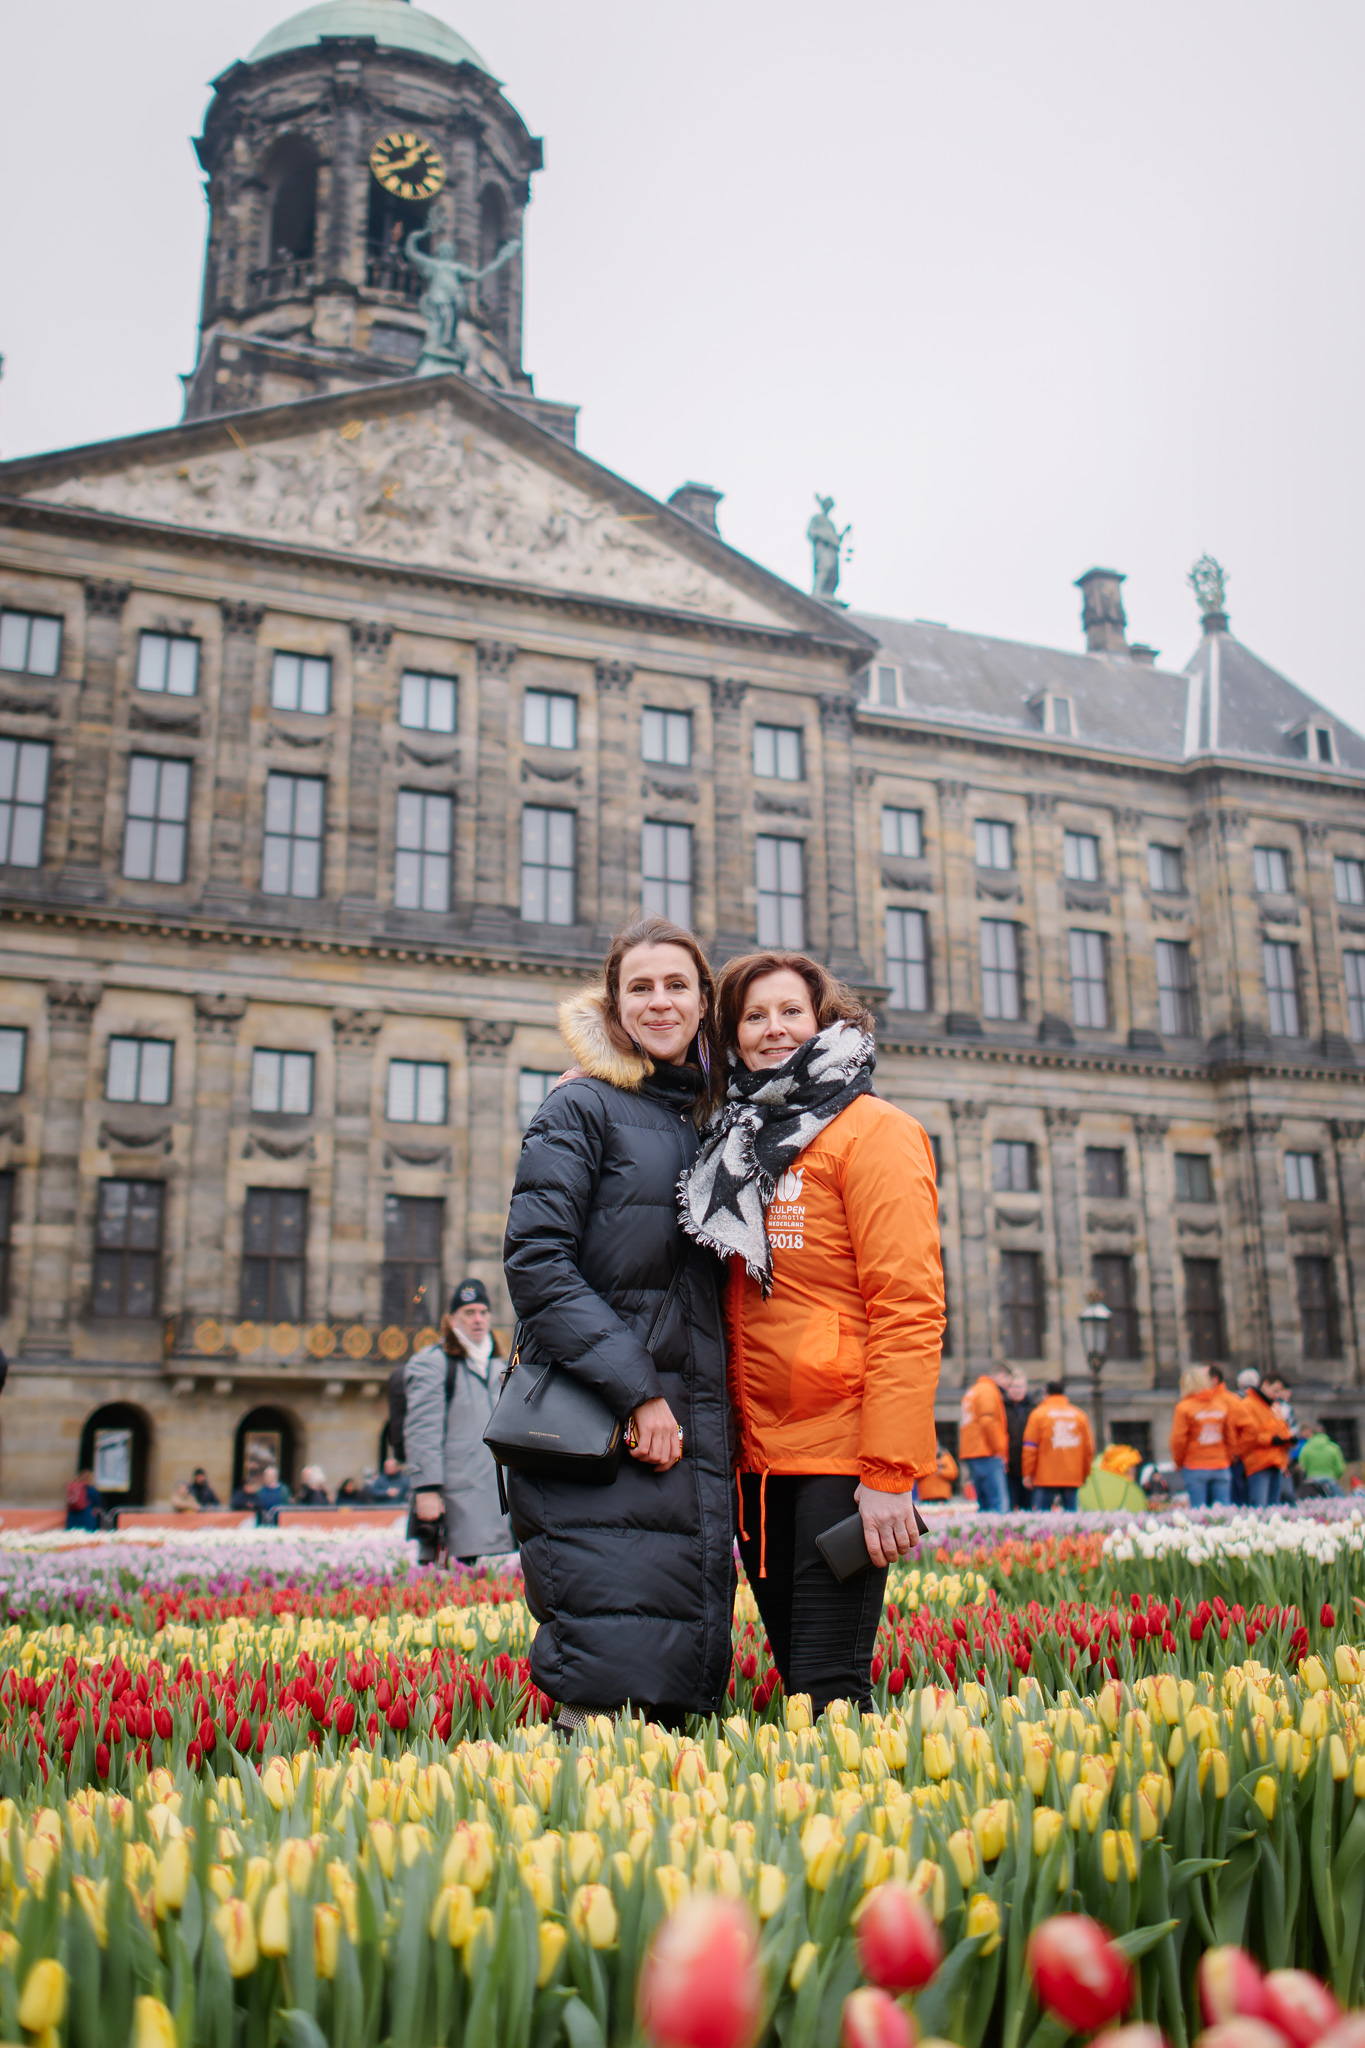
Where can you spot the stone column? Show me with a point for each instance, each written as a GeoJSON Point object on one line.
{"type": "Point", "coordinates": [82, 872]}
{"type": "Point", "coordinates": [227, 890]}
{"type": "Point", "coordinates": [841, 856]}
{"type": "Point", "coordinates": [352, 1286]}
{"type": "Point", "coordinates": [1320, 972]}
{"type": "Point", "coordinates": [959, 913]}
{"type": "Point", "coordinates": [466, 183]}
{"type": "Point", "coordinates": [973, 1318]}
{"type": "Point", "coordinates": [52, 1307]}
{"type": "Point", "coordinates": [487, 1191]}
{"type": "Point", "coordinates": [1246, 1283]}
{"type": "Point", "coordinates": [1350, 1192]}
{"type": "Point", "coordinates": [1284, 1337]}
{"type": "Point", "coordinates": [346, 225]}
{"type": "Point", "coordinates": [1136, 961]}
{"type": "Point", "coordinates": [734, 926]}
{"type": "Point", "coordinates": [1053, 965]}
{"type": "Point", "coordinates": [1157, 1229]}
{"type": "Point", "coordinates": [614, 679]}
{"type": "Point", "coordinates": [369, 652]}
{"type": "Point", "coordinates": [208, 1286]}
{"type": "Point", "coordinates": [492, 912]}
{"type": "Point", "coordinates": [1073, 1282]}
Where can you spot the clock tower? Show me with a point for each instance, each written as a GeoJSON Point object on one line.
{"type": "Point", "coordinates": [357, 141]}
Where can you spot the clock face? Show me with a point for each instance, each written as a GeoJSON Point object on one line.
{"type": "Point", "coordinates": [408, 166]}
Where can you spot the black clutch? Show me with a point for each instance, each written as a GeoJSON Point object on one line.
{"type": "Point", "coordinates": [548, 1424]}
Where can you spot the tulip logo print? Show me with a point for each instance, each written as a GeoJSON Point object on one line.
{"type": "Point", "coordinates": [789, 1186]}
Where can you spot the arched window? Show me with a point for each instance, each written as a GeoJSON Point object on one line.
{"type": "Point", "coordinates": [265, 1436]}
{"type": "Point", "coordinates": [293, 185]}
{"type": "Point", "coordinates": [492, 225]}
{"type": "Point", "coordinates": [115, 1441]}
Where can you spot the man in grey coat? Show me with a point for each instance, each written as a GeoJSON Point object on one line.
{"type": "Point", "coordinates": [450, 1389]}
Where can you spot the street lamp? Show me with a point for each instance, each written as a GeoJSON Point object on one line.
{"type": "Point", "coordinates": [1095, 1320]}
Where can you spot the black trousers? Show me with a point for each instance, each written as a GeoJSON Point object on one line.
{"type": "Point", "coordinates": [822, 1633]}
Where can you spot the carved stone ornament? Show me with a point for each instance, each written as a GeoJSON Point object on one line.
{"type": "Point", "coordinates": [1151, 1131]}
{"type": "Point", "coordinates": [12, 1126]}
{"type": "Point", "coordinates": [281, 736]}
{"type": "Point", "coordinates": [1002, 888]}
{"type": "Point", "coordinates": [1079, 897]}
{"type": "Point", "coordinates": [428, 757]}
{"type": "Point", "coordinates": [1041, 803]}
{"type": "Point", "coordinates": [1351, 920]}
{"type": "Point", "coordinates": [1058, 1117]}
{"type": "Point", "coordinates": [1229, 1136]}
{"type": "Point", "coordinates": [1112, 1226]}
{"type": "Point", "coordinates": [356, 1030]}
{"type": "Point", "coordinates": [782, 806]}
{"type": "Point", "coordinates": [73, 1002]}
{"type": "Point", "coordinates": [278, 1148]}
{"type": "Point", "coordinates": [968, 1112]}
{"type": "Point", "coordinates": [130, 1138]}
{"type": "Point", "coordinates": [162, 718]}
{"type": "Point", "coordinates": [1263, 1126]}
{"type": "Point", "coordinates": [38, 704]}
{"type": "Point", "coordinates": [437, 1156]}
{"type": "Point", "coordinates": [1195, 1226]}
{"type": "Point", "coordinates": [105, 599]}
{"type": "Point", "coordinates": [1347, 1130]}
{"type": "Point", "coordinates": [903, 876]}
{"type": "Point", "coordinates": [370, 636]}
{"type": "Point", "coordinates": [218, 1016]}
{"type": "Point", "coordinates": [488, 1037]}
{"type": "Point", "coordinates": [865, 778]}
{"type": "Point", "coordinates": [1172, 913]}
{"type": "Point", "coordinates": [836, 711]}
{"type": "Point", "coordinates": [240, 617]}
{"type": "Point", "coordinates": [533, 771]}
{"type": "Point", "coordinates": [614, 677]}
{"type": "Point", "coordinates": [495, 657]}
{"type": "Point", "coordinates": [1018, 1219]}
{"type": "Point", "coordinates": [1312, 1225]}
{"type": "Point", "coordinates": [671, 792]}
{"type": "Point", "coordinates": [728, 692]}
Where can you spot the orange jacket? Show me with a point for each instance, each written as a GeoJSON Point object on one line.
{"type": "Point", "coordinates": [1256, 1426]}
{"type": "Point", "coordinates": [836, 1371]}
{"type": "Point", "coordinates": [983, 1431]}
{"type": "Point", "coordinates": [938, 1485]}
{"type": "Point", "coordinates": [1059, 1446]}
{"type": "Point", "coordinates": [1203, 1431]}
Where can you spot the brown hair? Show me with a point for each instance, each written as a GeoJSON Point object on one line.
{"type": "Point", "coordinates": [832, 1001]}
{"type": "Point", "coordinates": [661, 931]}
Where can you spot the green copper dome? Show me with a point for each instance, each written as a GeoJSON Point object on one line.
{"type": "Point", "coordinates": [394, 24]}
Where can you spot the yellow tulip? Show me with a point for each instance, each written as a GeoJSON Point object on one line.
{"type": "Point", "coordinates": [94, 1898]}
{"type": "Point", "coordinates": [983, 1918]}
{"type": "Point", "coordinates": [1047, 1825]}
{"type": "Point", "coordinates": [414, 1840]}
{"type": "Point", "coordinates": [962, 1851]}
{"type": "Point", "coordinates": [673, 1886]}
{"type": "Point", "coordinates": [540, 1885]}
{"type": "Point", "coordinates": [258, 1874]}
{"type": "Point", "coordinates": [938, 1756]}
{"type": "Point", "coordinates": [991, 1827]}
{"type": "Point", "coordinates": [1214, 1761]}
{"type": "Point", "coordinates": [1266, 1793]}
{"type": "Point", "coordinates": [801, 1963]}
{"type": "Point", "coordinates": [772, 1889]}
{"type": "Point", "coordinates": [294, 1864]}
{"type": "Point", "coordinates": [1340, 1762]}
{"type": "Point", "coordinates": [1313, 1719]}
{"type": "Point", "coordinates": [585, 1857]}
{"type": "Point", "coordinates": [172, 1878]}
{"type": "Point", "coordinates": [798, 1712]}
{"type": "Point", "coordinates": [277, 1782]}
{"type": "Point", "coordinates": [1116, 1843]}
{"type": "Point", "coordinates": [384, 1841]}
{"type": "Point", "coordinates": [593, 1913]}
{"type": "Point", "coordinates": [1086, 1806]}
{"type": "Point", "coordinates": [326, 1939]}
{"type": "Point", "coordinates": [43, 2003]}
{"type": "Point", "coordinates": [469, 1857]}
{"type": "Point", "coordinates": [1350, 1665]}
{"type": "Point", "coordinates": [552, 1941]}
{"type": "Point", "coordinates": [274, 1933]}
{"type": "Point", "coordinates": [153, 2024]}
{"type": "Point", "coordinates": [1313, 1674]}
{"type": "Point", "coordinates": [237, 1931]}
{"type": "Point", "coordinates": [822, 1845]}
{"type": "Point", "coordinates": [1109, 1705]}
{"type": "Point", "coordinates": [1037, 1764]}
{"type": "Point", "coordinates": [891, 1742]}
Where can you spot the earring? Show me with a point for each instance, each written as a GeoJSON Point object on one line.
{"type": "Point", "coordinates": [704, 1053]}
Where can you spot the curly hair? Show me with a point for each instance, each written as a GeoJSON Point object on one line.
{"type": "Point", "coordinates": [832, 1001]}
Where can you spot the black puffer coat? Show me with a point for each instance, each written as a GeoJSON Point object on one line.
{"type": "Point", "coordinates": [633, 1583]}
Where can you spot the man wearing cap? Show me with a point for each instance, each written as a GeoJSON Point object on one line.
{"type": "Point", "coordinates": [450, 1389]}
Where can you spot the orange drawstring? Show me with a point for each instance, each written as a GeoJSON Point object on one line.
{"type": "Point", "coordinates": [739, 1496]}
{"type": "Point", "coordinates": [763, 1527]}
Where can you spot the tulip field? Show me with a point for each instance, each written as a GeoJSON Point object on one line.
{"type": "Point", "coordinates": [269, 1789]}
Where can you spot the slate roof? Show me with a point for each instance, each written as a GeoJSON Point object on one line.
{"type": "Point", "coordinates": [1225, 701]}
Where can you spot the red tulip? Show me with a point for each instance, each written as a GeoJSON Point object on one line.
{"type": "Point", "coordinates": [1300, 2006]}
{"type": "Point", "coordinates": [101, 1760]}
{"type": "Point", "coordinates": [872, 2019]}
{"type": "Point", "coordinates": [1230, 1985]}
{"type": "Point", "coordinates": [1349, 2032]}
{"type": "Point", "coordinates": [343, 1717]}
{"type": "Point", "coordinates": [1079, 1973]}
{"type": "Point", "coordinates": [898, 1944]}
{"type": "Point", "coordinates": [700, 1986]}
{"type": "Point", "coordinates": [1242, 2033]}
{"type": "Point", "coordinates": [163, 1722]}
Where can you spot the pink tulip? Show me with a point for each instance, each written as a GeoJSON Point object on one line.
{"type": "Point", "coordinates": [1078, 1972]}
{"type": "Point", "coordinates": [872, 2019]}
{"type": "Point", "coordinates": [700, 1986]}
{"type": "Point", "coordinates": [1230, 1985]}
{"type": "Point", "coordinates": [1242, 2033]}
{"type": "Point", "coordinates": [1300, 2006]}
{"type": "Point", "coordinates": [899, 1946]}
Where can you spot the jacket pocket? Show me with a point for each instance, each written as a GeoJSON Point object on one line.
{"type": "Point", "coordinates": [816, 1379]}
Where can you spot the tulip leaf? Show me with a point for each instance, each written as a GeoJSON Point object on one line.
{"type": "Point", "coordinates": [581, 2027]}
{"type": "Point", "coordinates": [299, 2029]}
{"type": "Point", "coordinates": [86, 2019]}
{"type": "Point", "coordinates": [937, 2003]}
{"type": "Point", "coordinates": [1142, 1940]}
{"type": "Point", "coordinates": [192, 1920]}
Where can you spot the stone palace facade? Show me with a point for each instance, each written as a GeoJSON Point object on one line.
{"type": "Point", "coordinates": [341, 725]}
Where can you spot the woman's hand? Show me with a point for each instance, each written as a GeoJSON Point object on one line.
{"type": "Point", "coordinates": [889, 1527]}
{"type": "Point", "coordinates": [658, 1439]}
{"type": "Point", "coordinates": [429, 1507]}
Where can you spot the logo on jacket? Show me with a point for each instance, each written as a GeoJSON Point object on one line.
{"type": "Point", "coordinates": [787, 1213]}
{"type": "Point", "coordinates": [789, 1186]}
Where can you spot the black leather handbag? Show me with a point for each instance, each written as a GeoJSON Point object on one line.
{"type": "Point", "coordinates": [547, 1423]}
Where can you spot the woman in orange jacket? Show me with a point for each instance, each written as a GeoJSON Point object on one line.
{"type": "Point", "coordinates": [823, 1198]}
{"type": "Point", "coordinates": [1059, 1448]}
{"type": "Point", "coordinates": [1263, 1440]}
{"type": "Point", "coordinates": [1203, 1432]}
{"type": "Point", "coordinates": [938, 1485]}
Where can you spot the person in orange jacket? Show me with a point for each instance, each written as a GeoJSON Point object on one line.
{"type": "Point", "coordinates": [984, 1440]}
{"type": "Point", "coordinates": [1059, 1448]}
{"type": "Point", "coordinates": [1263, 1439]}
{"type": "Point", "coordinates": [824, 1200]}
{"type": "Point", "coordinates": [1203, 1432]}
{"type": "Point", "coordinates": [938, 1485]}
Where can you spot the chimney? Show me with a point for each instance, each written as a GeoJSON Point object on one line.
{"type": "Point", "coordinates": [698, 502]}
{"type": "Point", "coordinates": [1102, 611]}
{"type": "Point", "coordinates": [1144, 654]}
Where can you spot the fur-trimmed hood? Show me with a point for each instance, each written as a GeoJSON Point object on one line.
{"type": "Point", "coordinates": [583, 1026]}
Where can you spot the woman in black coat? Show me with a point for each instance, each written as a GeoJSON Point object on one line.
{"type": "Point", "coordinates": [632, 1583]}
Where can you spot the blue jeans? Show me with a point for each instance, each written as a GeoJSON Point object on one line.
{"type": "Point", "coordinates": [1043, 1497]}
{"type": "Point", "coordinates": [1263, 1488]}
{"type": "Point", "coordinates": [1209, 1488]}
{"type": "Point", "coordinates": [992, 1490]}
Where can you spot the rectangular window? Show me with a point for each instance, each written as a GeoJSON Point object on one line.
{"type": "Point", "coordinates": [907, 959]}
{"type": "Point", "coordinates": [1282, 988]}
{"type": "Point", "coordinates": [157, 825]}
{"type": "Point", "coordinates": [994, 844]}
{"type": "Point", "coordinates": [1014, 1167]}
{"type": "Point", "coordinates": [1349, 879]}
{"type": "Point", "coordinates": [281, 1083]}
{"type": "Point", "coordinates": [1303, 1178]}
{"type": "Point", "coordinates": [666, 736]}
{"type": "Point", "coordinates": [301, 682]}
{"type": "Point", "coordinates": [274, 1245]}
{"type": "Point", "coordinates": [1204, 1310]}
{"type": "Point", "coordinates": [169, 663]}
{"type": "Point", "coordinates": [1165, 870]}
{"type": "Point", "coordinates": [1001, 994]}
{"type": "Point", "coordinates": [1113, 1274]}
{"type": "Point", "coordinates": [421, 867]}
{"type": "Point", "coordinates": [1193, 1177]}
{"type": "Point", "coordinates": [23, 799]}
{"type": "Point", "coordinates": [903, 833]}
{"type": "Point", "coordinates": [30, 645]}
{"type": "Point", "coordinates": [6, 1232]}
{"type": "Point", "coordinates": [1080, 857]}
{"type": "Point", "coordinates": [426, 703]}
{"type": "Point", "coordinates": [128, 1248]}
{"type": "Point", "coordinates": [1272, 870]}
{"type": "Point", "coordinates": [1318, 1308]}
{"type": "Point", "coordinates": [291, 863]}
{"type": "Point", "coordinates": [13, 1046]}
{"type": "Point", "coordinates": [777, 752]}
{"type": "Point", "coordinates": [417, 1092]}
{"type": "Point", "coordinates": [666, 870]}
{"type": "Point", "coordinates": [1354, 966]}
{"type": "Point", "coordinates": [410, 1287]}
{"type": "Point", "coordinates": [532, 1088]}
{"type": "Point", "coordinates": [781, 892]}
{"type": "Point", "coordinates": [1106, 1171]}
{"type": "Point", "coordinates": [547, 866]}
{"type": "Point", "coordinates": [1175, 988]}
{"type": "Point", "coordinates": [1021, 1304]}
{"type": "Point", "coordinates": [138, 1070]}
{"type": "Point", "coordinates": [549, 719]}
{"type": "Point", "coordinates": [885, 689]}
{"type": "Point", "coordinates": [1089, 981]}
{"type": "Point", "coordinates": [1344, 1431]}
{"type": "Point", "coordinates": [1060, 721]}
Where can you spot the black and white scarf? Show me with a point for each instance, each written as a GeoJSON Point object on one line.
{"type": "Point", "coordinates": [766, 1121]}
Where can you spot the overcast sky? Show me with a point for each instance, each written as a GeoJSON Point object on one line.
{"type": "Point", "coordinates": [1028, 287]}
